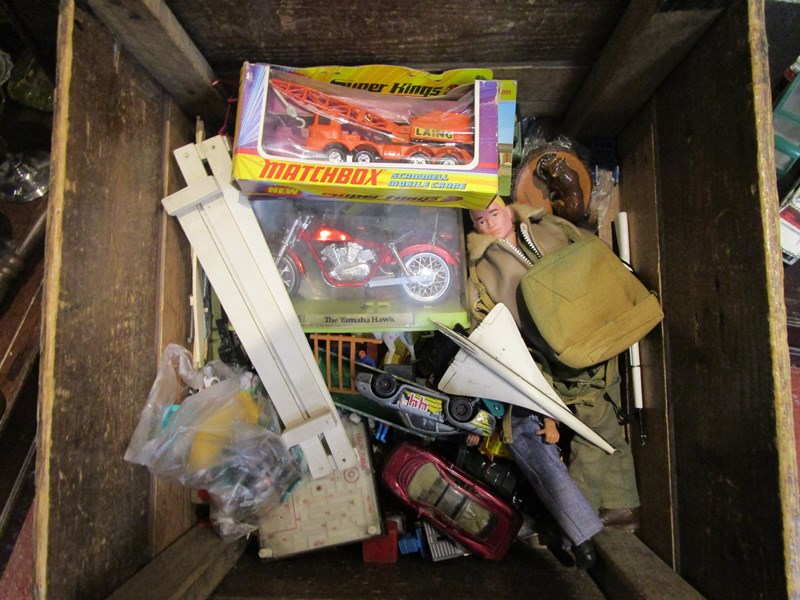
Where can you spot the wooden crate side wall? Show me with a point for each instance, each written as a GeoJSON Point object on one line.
{"type": "Point", "coordinates": [727, 378]}
{"type": "Point", "coordinates": [453, 33]}
{"type": "Point", "coordinates": [172, 512]}
{"type": "Point", "coordinates": [653, 458]}
{"type": "Point", "coordinates": [101, 314]}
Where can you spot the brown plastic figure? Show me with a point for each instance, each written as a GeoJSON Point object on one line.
{"type": "Point", "coordinates": [556, 180]}
{"type": "Point", "coordinates": [568, 201]}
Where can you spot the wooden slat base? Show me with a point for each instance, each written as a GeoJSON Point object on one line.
{"type": "Point", "coordinates": [190, 568]}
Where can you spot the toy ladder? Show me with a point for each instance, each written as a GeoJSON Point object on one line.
{"type": "Point", "coordinates": [221, 227]}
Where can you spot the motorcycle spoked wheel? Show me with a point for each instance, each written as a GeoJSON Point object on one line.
{"type": "Point", "coordinates": [290, 274]}
{"type": "Point", "coordinates": [437, 281]}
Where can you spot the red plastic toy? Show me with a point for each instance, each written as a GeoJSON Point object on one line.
{"type": "Point", "coordinates": [382, 549]}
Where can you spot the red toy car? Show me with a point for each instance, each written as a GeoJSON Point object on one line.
{"type": "Point", "coordinates": [462, 507]}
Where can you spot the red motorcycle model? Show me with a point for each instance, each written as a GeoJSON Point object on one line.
{"type": "Point", "coordinates": [423, 270]}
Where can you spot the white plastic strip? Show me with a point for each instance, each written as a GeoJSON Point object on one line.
{"type": "Point", "coordinates": [216, 222]}
{"type": "Point", "coordinates": [274, 307]}
{"type": "Point", "coordinates": [623, 241]}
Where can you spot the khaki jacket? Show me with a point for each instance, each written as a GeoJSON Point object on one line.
{"type": "Point", "coordinates": [499, 267]}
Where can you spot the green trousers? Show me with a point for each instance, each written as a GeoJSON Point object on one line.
{"type": "Point", "coordinates": [607, 480]}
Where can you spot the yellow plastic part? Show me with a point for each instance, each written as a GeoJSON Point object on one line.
{"type": "Point", "coordinates": [494, 447]}
{"type": "Point", "coordinates": [217, 430]}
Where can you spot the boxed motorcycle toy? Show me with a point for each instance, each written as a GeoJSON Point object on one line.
{"type": "Point", "coordinates": [296, 136]}
{"type": "Point", "coordinates": [368, 267]}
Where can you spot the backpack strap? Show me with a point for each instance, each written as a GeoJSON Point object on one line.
{"type": "Point", "coordinates": [570, 229]}
{"type": "Point", "coordinates": [507, 434]}
{"type": "Point", "coordinates": [484, 304]}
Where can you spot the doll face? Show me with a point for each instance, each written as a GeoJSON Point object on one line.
{"type": "Point", "coordinates": [497, 221]}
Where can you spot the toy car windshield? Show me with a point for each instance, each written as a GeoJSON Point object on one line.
{"type": "Point", "coordinates": [429, 487]}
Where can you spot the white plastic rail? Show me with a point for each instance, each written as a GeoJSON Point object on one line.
{"type": "Point", "coordinates": [220, 224]}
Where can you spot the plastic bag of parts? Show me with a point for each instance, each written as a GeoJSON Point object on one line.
{"type": "Point", "coordinates": [212, 429]}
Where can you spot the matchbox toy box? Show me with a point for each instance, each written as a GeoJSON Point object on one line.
{"type": "Point", "coordinates": [297, 136]}
{"type": "Point", "coordinates": [367, 267]}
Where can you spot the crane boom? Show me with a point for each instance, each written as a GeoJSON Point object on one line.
{"type": "Point", "coordinates": [333, 107]}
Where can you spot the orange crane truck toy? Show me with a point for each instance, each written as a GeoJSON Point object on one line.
{"type": "Point", "coordinates": [339, 130]}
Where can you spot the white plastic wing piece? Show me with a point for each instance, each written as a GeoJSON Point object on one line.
{"type": "Point", "coordinates": [495, 364]}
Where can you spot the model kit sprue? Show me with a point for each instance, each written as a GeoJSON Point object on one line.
{"type": "Point", "coordinates": [340, 130]}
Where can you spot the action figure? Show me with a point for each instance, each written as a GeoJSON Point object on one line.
{"type": "Point", "coordinates": [533, 436]}
{"type": "Point", "coordinates": [533, 446]}
{"type": "Point", "coordinates": [499, 258]}
{"type": "Point", "coordinates": [364, 358]}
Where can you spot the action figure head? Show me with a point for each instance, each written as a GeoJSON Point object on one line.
{"type": "Point", "coordinates": [496, 220]}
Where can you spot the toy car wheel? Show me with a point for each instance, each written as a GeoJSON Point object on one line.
{"type": "Point", "coordinates": [450, 161]}
{"type": "Point", "coordinates": [420, 158]}
{"type": "Point", "coordinates": [434, 277]}
{"type": "Point", "coordinates": [384, 385]}
{"type": "Point", "coordinates": [336, 155]}
{"type": "Point", "coordinates": [461, 409]}
{"type": "Point", "coordinates": [364, 156]}
{"type": "Point", "coordinates": [289, 273]}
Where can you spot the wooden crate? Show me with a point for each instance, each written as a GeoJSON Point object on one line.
{"type": "Point", "coordinates": [684, 88]}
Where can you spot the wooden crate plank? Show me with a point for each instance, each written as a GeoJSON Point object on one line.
{"type": "Point", "coordinates": [341, 574]}
{"type": "Point", "coordinates": [638, 191]}
{"type": "Point", "coordinates": [190, 568]}
{"type": "Point", "coordinates": [171, 511]}
{"type": "Point", "coordinates": [725, 330]}
{"type": "Point", "coordinates": [628, 569]}
{"type": "Point", "coordinates": [97, 365]}
{"type": "Point", "coordinates": [149, 31]}
{"type": "Point", "coordinates": [645, 47]}
{"type": "Point", "coordinates": [539, 48]}
{"type": "Point", "coordinates": [555, 60]}
{"type": "Point", "coordinates": [543, 89]}
{"type": "Point", "coordinates": [447, 32]}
